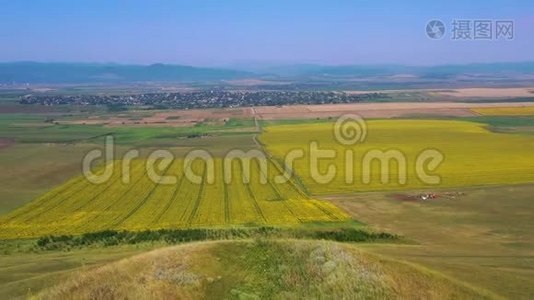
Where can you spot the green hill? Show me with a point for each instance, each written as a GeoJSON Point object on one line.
{"type": "Point", "coordinates": [260, 269]}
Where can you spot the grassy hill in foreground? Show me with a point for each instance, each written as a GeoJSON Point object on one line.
{"type": "Point", "coordinates": [260, 269]}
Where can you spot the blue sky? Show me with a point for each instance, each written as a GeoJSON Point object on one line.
{"type": "Point", "coordinates": [225, 33]}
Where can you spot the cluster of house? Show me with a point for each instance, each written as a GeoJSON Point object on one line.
{"type": "Point", "coordinates": [203, 99]}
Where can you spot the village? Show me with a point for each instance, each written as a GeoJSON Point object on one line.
{"type": "Point", "coordinates": [202, 99]}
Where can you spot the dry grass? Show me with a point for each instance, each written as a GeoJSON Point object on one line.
{"type": "Point", "coordinates": [484, 236]}
{"type": "Point", "coordinates": [489, 92]}
{"type": "Point", "coordinates": [188, 118]}
{"type": "Point", "coordinates": [260, 269]}
{"type": "Point", "coordinates": [166, 118]}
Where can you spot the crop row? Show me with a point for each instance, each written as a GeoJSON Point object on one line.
{"type": "Point", "coordinates": [79, 206]}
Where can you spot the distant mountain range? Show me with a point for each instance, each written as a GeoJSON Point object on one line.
{"type": "Point", "coordinates": [56, 73]}
{"type": "Point", "coordinates": [32, 72]}
{"type": "Point", "coordinates": [391, 70]}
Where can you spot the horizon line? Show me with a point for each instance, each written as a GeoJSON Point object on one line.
{"type": "Point", "coordinates": [225, 66]}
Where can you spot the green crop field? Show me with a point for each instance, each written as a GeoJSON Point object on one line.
{"type": "Point", "coordinates": [472, 154]}
{"type": "Point", "coordinates": [483, 236]}
{"type": "Point", "coordinates": [79, 206]}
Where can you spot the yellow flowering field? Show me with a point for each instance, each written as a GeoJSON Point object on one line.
{"type": "Point", "coordinates": [471, 155]}
{"type": "Point", "coordinates": [505, 111]}
{"type": "Point", "coordinates": [79, 206]}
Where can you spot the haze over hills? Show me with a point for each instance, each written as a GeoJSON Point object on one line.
{"type": "Point", "coordinates": [33, 72]}
{"type": "Point", "coordinates": [392, 69]}
{"type": "Point", "coordinates": [58, 73]}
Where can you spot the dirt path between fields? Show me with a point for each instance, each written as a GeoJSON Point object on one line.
{"type": "Point", "coordinates": [378, 110]}
{"type": "Point", "coordinates": [258, 129]}
{"type": "Point", "coordinates": [189, 118]}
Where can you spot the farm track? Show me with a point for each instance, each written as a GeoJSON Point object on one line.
{"type": "Point", "coordinates": [114, 180]}
{"type": "Point", "coordinates": [169, 202]}
{"type": "Point", "coordinates": [104, 221]}
{"type": "Point", "coordinates": [190, 197]}
{"type": "Point", "coordinates": [198, 199]}
{"type": "Point", "coordinates": [255, 203]}
{"type": "Point", "coordinates": [142, 202]}
{"type": "Point", "coordinates": [227, 216]}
